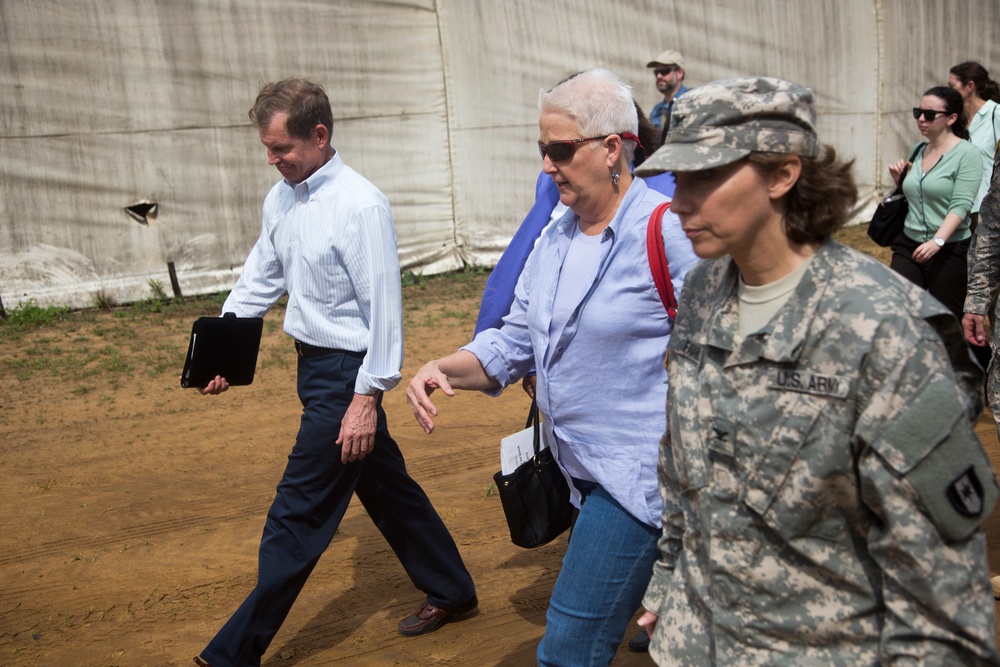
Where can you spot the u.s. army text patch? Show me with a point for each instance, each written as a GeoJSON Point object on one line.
{"type": "Point", "coordinates": [809, 383]}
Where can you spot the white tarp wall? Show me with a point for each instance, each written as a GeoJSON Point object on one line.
{"type": "Point", "coordinates": [109, 103]}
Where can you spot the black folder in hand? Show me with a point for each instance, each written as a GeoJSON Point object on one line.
{"type": "Point", "coordinates": [225, 346]}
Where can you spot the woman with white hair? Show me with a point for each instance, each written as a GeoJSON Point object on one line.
{"type": "Point", "coordinates": [587, 316]}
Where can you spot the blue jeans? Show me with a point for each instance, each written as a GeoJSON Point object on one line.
{"type": "Point", "coordinates": [604, 575]}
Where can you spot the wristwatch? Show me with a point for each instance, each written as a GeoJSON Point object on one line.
{"type": "Point", "coordinates": [939, 241]}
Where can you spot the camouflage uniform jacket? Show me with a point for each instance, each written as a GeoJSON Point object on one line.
{"type": "Point", "coordinates": [984, 279]}
{"type": "Point", "coordinates": [815, 463]}
{"type": "Point", "coordinates": [984, 256]}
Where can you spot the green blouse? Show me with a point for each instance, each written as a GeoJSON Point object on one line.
{"type": "Point", "coordinates": [950, 186]}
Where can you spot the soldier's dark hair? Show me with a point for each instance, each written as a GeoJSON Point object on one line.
{"type": "Point", "coordinates": [970, 70]}
{"type": "Point", "coordinates": [305, 103]}
{"type": "Point", "coordinates": [953, 104]}
{"type": "Point", "coordinates": [821, 199]}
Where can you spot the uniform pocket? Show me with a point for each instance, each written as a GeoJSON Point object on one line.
{"type": "Point", "coordinates": [803, 476]}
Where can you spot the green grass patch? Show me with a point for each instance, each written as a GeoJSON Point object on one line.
{"type": "Point", "coordinates": [28, 314]}
{"type": "Point", "coordinates": [97, 346]}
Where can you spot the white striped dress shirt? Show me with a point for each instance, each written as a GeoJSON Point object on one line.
{"type": "Point", "coordinates": [330, 243]}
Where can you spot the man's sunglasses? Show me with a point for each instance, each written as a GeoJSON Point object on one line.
{"type": "Point", "coordinates": [560, 151]}
{"type": "Point", "coordinates": [928, 114]}
{"type": "Point", "coordinates": [665, 71]}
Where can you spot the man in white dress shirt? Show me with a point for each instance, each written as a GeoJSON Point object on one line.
{"type": "Point", "coordinates": [327, 240]}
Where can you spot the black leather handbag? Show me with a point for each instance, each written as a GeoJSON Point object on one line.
{"type": "Point", "coordinates": [535, 497]}
{"type": "Point", "coordinates": [890, 214]}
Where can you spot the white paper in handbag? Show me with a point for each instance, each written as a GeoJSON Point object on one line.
{"type": "Point", "coordinates": [520, 447]}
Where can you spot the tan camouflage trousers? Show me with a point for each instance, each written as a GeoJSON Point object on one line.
{"type": "Point", "coordinates": [993, 388]}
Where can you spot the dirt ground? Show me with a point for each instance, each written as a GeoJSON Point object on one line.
{"type": "Point", "coordinates": [132, 509]}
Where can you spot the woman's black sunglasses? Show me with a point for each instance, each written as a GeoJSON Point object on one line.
{"type": "Point", "coordinates": [560, 151]}
{"type": "Point", "coordinates": [928, 114]}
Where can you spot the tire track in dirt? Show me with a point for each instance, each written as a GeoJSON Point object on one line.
{"type": "Point", "coordinates": [191, 516]}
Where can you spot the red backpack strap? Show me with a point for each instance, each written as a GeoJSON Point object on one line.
{"type": "Point", "coordinates": [658, 260]}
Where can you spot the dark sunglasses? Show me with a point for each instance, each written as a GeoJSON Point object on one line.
{"type": "Point", "coordinates": [665, 71]}
{"type": "Point", "coordinates": [928, 114]}
{"type": "Point", "coordinates": [560, 151]}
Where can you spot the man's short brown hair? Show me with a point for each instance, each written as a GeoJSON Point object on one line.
{"type": "Point", "coordinates": [305, 103]}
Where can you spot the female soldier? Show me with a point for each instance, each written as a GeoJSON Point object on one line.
{"type": "Point", "coordinates": [820, 419]}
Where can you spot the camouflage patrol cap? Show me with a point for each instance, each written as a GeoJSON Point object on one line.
{"type": "Point", "coordinates": [724, 121]}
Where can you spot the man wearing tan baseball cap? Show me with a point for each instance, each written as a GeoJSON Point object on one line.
{"type": "Point", "coordinates": [668, 68]}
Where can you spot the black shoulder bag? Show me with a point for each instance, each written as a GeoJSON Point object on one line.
{"type": "Point", "coordinates": [887, 221]}
{"type": "Point", "coordinates": [535, 496]}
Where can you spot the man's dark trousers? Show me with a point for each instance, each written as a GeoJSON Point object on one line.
{"type": "Point", "coordinates": [311, 500]}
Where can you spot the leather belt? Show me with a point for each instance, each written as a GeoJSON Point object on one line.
{"type": "Point", "coordinates": [307, 350]}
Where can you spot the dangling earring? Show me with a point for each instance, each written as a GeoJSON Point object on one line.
{"type": "Point", "coordinates": [615, 178]}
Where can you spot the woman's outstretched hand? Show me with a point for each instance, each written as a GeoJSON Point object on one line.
{"type": "Point", "coordinates": [418, 393]}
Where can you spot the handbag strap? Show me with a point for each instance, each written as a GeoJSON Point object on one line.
{"type": "Point", "coordinates": [993, 121]}
{"type": "Point", "coordinates": [658, 260]}
{"type": "Point", "coordinates": [906, 169]}
{"type": "Point", "coordinates": [533, 422]}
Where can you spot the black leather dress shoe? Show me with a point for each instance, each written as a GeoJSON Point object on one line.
{"type": "Point", "coordinates": [429, 618]}
{"type": "Point", "coordinates": [639, 643]}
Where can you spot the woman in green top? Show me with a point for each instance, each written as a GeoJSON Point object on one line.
{"type": "Point", "coordinates": [940, 188]}
{"type": "Point", "coordinates": [980, 95]}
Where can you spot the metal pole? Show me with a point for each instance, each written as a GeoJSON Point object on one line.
{"type": "Point", "coordinates": [174, 284]}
